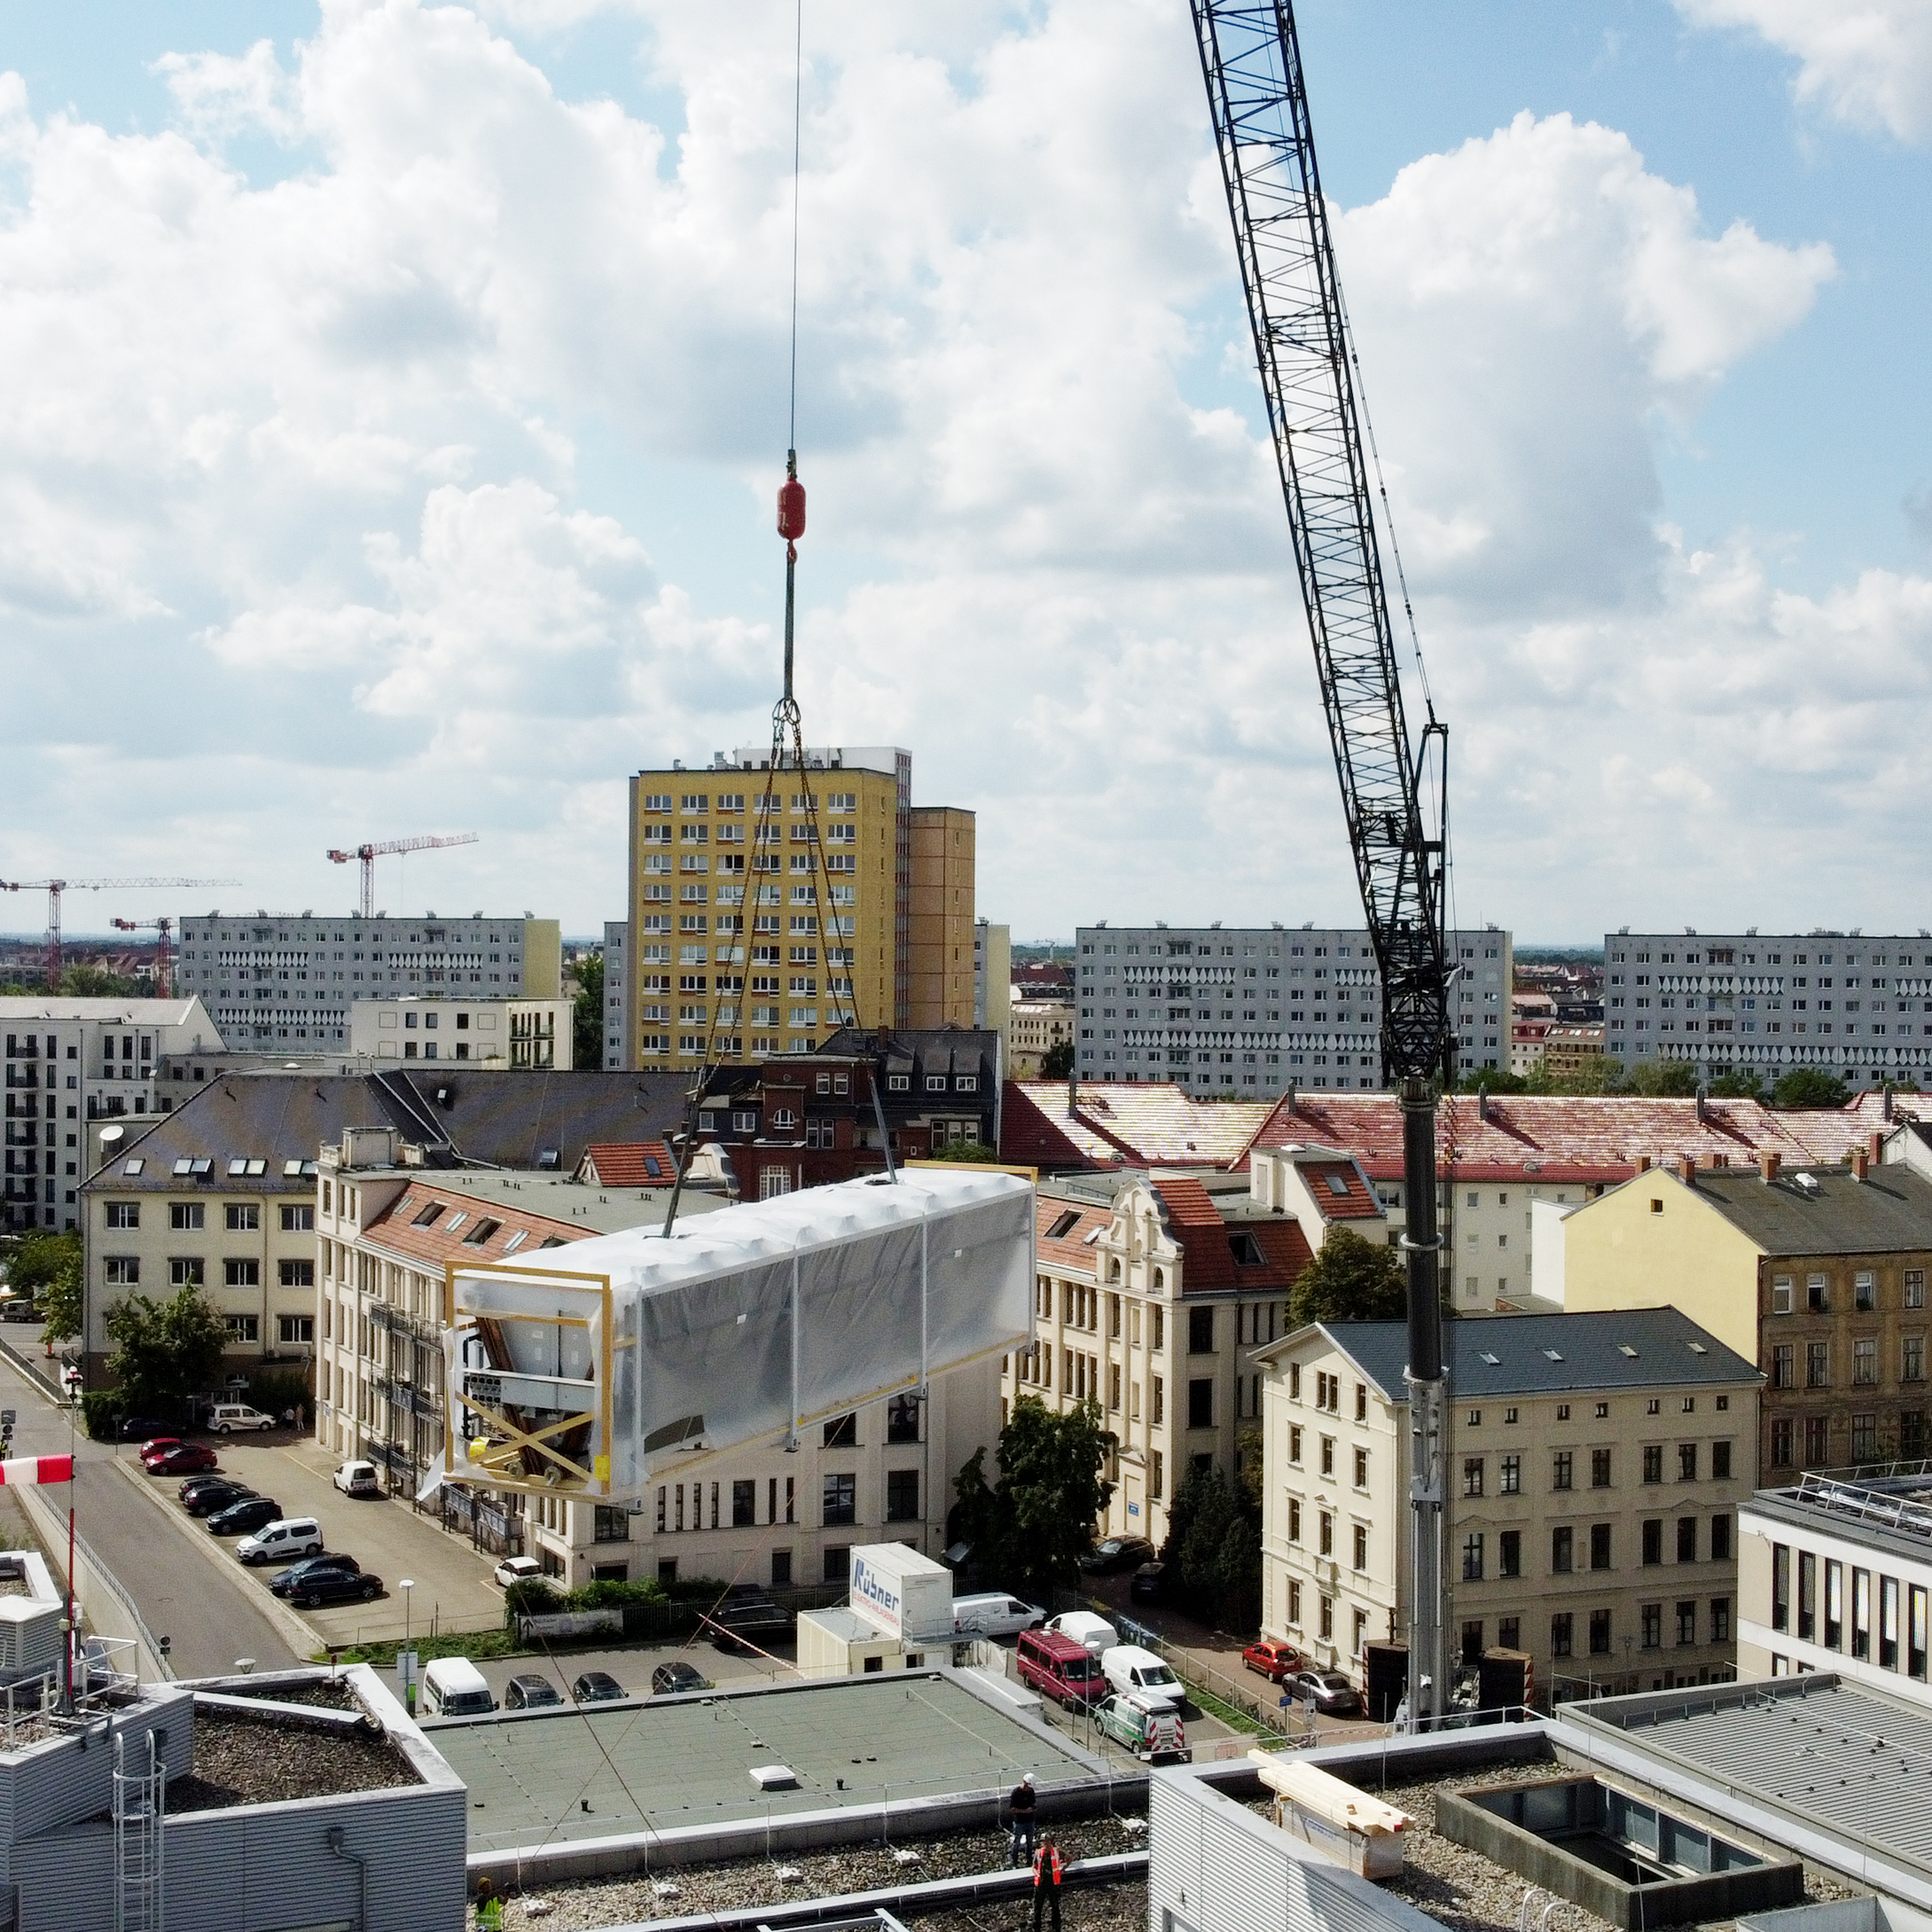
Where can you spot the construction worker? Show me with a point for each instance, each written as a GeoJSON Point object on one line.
{"type": "Point", "coordinates": [1022, 1804]}
{"type": "Point", "coordinates": [490, 1907]}
{"type": "Point", "coordinates": [1047, 1873]}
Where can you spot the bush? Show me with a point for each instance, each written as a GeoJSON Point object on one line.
{"type": "Point", "coordinates": [100, 1409]}
{"type": "Point", "coordinates": [277, 1389]}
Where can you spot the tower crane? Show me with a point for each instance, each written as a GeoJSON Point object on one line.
{"type": "Point", "coordinates": [369, 853]}
{"type": "Point", "coordinates": [164, 951]}
{"type": "Point", "coordinates": [1251, 60]}
{"type": "Point", "coordinates": [55, 888]}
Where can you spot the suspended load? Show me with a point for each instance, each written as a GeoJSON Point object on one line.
{"type": "Point", "coordinates": [591, 1367]}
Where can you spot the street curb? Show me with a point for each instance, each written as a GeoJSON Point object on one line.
{"type": "Point", "coordinates": [296, 1634]}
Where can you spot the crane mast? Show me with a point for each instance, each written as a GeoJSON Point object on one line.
{"type": "Point", "coordinates": [1251, 61]}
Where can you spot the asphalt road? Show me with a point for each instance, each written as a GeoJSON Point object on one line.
{"type": "Point", "coordinates": [208, 1616]}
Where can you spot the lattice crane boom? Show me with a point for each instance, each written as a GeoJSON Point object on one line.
{"type": "Point", "coordinates": [370, 851]}
{"type": "Point", "coordinates": [55, 888]}
{"type": "Point", "coordinates": [1251, 60]}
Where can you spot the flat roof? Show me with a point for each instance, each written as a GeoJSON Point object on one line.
{"type": "Point", "coordinates": [1883, 1512]}
{"type": "Point", "coordinates": [669, 1764]}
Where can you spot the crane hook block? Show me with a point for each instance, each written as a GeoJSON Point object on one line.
{"type": "Point", "coordinates": [791, 510]}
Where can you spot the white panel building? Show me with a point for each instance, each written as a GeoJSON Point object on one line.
{"type": "Point", "coordinates": [495, 1032]}
{"type": "Point", "coordinates": [1232, 1009]}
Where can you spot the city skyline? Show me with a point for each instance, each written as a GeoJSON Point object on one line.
{"type": "Point", "coordinates": [447, 495]}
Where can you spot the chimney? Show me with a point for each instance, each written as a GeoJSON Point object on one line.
{"type": "Point", "coordinates": [1877, 1145]}
{"type": "Point", "coordinates": [1768, 1163]}
{"type": "Point", "coordinates": [1686, 1168]}
{"type": "Point", "coordinates": [1887, 1094]}
{"type": "Point", "coordinates": [1483, 1103]}
{"type": "Point", "coordinates": [1860, 1162]}
{"type": "Point", "coordinates": [1702, 1115]}
{"type": "Point", "coordinates": [1643, 1163]}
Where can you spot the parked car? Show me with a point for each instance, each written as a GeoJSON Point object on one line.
{"type": "Point", "coordinates": [517, 1569]}
{"type": "Point", "coordinates": [145, 1429]}
{"type": "Point", "coordinates": [1149, 1585]}
{"type": "Point", "coordinates": [242, 1518]}
{"type": "Point", "coordinates": [1328, 1691]}
{"type": "Point", "coordinates": [670, 1678]}
{"type": "Point", "coordinates": [747, 1622]}
{"type": "Point", "coordinates": [599, 1687]}
{"type": "Point", "coordinates": [529, 1692]}
{"type": "Point", "coordinates": [1058, 1667]}
{"type": "Point", "coordinates": [281, 1540]}
{"type": "Point", "coordinates": [1116, 1552]}
{"type": "Point", "coordinates": [284, 1580]}
{"type": "Point", "coordinates": [454, 1687]}
{"type": "Point", "coordinates": [360, 1479]}
{"type": "Point", "coordinates": [1274, 1661]}
{"type": "Point", "coordinates": [227, 1417]}
{"type": "Point", "coordinates": [1149, 1731]}
{"type": "Point", "coordinates": [327, 1579]}
{"type": "Point", "coordinates": [1092, 1633]}
{"type": "Point", "coordinates": [204, 1496]}
{"type": "Point", "coordinates": [1135, 1673]}
{"type": "Point", "coordinates": [994, 1614]}
{"type": "Point", "coordinates": [17, 1307]}
{"type": "Point", "coordinates": [179, 1459]}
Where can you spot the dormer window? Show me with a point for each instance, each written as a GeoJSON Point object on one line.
{"type": "Point", "coordinates": [1245, 1250]}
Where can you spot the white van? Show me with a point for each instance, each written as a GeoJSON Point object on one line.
{"type": "Point", "coordinates": [1094, 1633]}
{"type": "Point", "coordinates": [454, 1687]}
{"type": "Point", "coordinates": [1137, 1673]}
{"type": "Point", "coordinates": [282, 1541]}
{"type": "Point", "coordinates": [226, 1416]}
{"type": "Point", "coordinates": [994, 1615]}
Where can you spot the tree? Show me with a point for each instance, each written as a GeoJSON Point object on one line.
{"type": "Point", "coordinates": [588, 1014]}
{"type": "Point", "coordinates": [1664, 1079]}
{"type": "Point", "coordinates": [1056, 1063]}
{"type": "Point", "coordinates": [46, 1268]}
{"type": "Point", "coordinates": [1031, 1528]}
{"type": "Point", "coordinates": [1748, 1086]}
{"type": "Point", "coordinates": [164, 1352]}
{"type": "Point", "coordinates": [1214, 1541]}
{"type": "Point", "coordinates": [1809, 1087]}
{"type": "Point", "coordinates": [1350, 1279]}
{"type": "Point", "coordinates": [981, 1151]}
{"type": "Point", "coordinates": [1494, 1080]}
{"type": "Point", "coordinates": [96, 982]}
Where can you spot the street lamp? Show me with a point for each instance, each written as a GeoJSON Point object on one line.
{"type": "Point", "coordinates": [409, 1662]}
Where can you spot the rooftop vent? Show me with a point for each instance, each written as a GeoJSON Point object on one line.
{"type": "Point", "coordinates": [1555, 1355]}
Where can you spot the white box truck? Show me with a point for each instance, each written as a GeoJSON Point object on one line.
{"type": "Point", "coordinates": [902, 1592]}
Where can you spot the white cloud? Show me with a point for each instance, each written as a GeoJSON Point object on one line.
{"type": "Point", "coordinates": [298, 544]}
{"type": "Point", "coordinates": [1869, 62]}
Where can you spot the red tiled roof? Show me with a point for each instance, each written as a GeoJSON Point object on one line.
{"type": "Point", "coordinates": [616, 1163]}
{"type": "Point", "coordinates": [1070, 1250]}
{"type": "Point", "coordinates": [1117, 1124]}
{"type": "Point", "coordinates": [1354, 1202]}
{"type": "Point", "coordinates": [395, 1228]}
{"type": "Point", "coordinates": [1570, 1138]}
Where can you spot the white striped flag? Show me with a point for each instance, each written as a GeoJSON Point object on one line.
{"type": "Point", "coordinates": [37, 1469]}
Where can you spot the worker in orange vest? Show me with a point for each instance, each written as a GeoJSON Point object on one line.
{"type": "Point", "coordinates": [1047, 1872]}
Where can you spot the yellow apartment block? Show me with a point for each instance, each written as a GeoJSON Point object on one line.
{"type": "Point", "coordinates": [768, 909]}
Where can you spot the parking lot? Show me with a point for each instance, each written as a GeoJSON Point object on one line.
{"type": "Point", "coordinates": [452, 1590]}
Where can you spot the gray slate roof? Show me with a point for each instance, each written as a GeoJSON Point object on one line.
{"type": "Point", "coordinates": [1589, 1350]}
{"type": "Point", "coordinates": [1889, 1212]}
{"type": "Point", "coordinates": [508, 1119]}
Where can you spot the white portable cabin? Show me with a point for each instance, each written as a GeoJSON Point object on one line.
{"type": "Point", "coordinates": [588, 1367]}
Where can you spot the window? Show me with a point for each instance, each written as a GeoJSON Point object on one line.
{"type": "Point", "coordinates": [1888, 1623]}
{"type": "Point", "coordinates": [1864, 1438]}
{"type": "Point", "coordinates": [1361, 1468]}
{"type": "Point", "coordinates": [1200, 1331]}
{"type": "Point", "coordinates": [1564, 1470]}
{"type": "Point", "coordinates": [1599, 1633]}
{"type": "Point", "coordinates": [1328, 1455]}
{"type": "Point", "coordinates": [901, 1495]}
{"type": "Point", "coordinates": [1720, 1462]}
{"type": "Point", "coordinates": [1780, 1295]}
{"type": "Point", "coordinates": [609, 1525]}
{"type": "Point", "coordinates": [298, 1220]}
{"type": "Point", "coordinates": [1780, 1442]}
{"type": "Point", "coordinates": [837, 1568]}
{"type": "Point", "coordinates": [289, 1328]}
{"type": "Point", "coordinates": [1864, 1291]}
{"type": "Point", "coordinates": [1599, 1546]}
{"type": "Point", "coordinates": [842, 1431]}
{"type": "Point", "coordinates": [1686, 1622]}
{"type": "Point", "coordinates": [1834, 1605]}
{"type": "Point", "coordinates": [1511, 1483]}
{"type": "Point", "coordinates": [1650, 1622]}
{"type": "Point", "coordinates": [187, 1272]}
{"type": "Point", "coordinates": [1472, 1558]}
{"type": "Point", "coordinates": [241, 1273]}
{"type": "Point", "coordinates": [1157, 1399]}
{"type": "Point", "coordinates": [1686, 1462]}
{"type": "Point", "coordinates": [1807, 1595]}
{"type": "Point", "coordinates": [1295, 1445]}
{"type": "Point", "coordinates": [123, 1213]}
{"type": "Point", "coordinates": [1720, 1620]}
{"type": "Point", "coordinates": [1784, 1371]}
{"type": "Point", "coordinates": [1915, 1632]}
{"type": "Point", "coordinates": [1915, 1288]}
{"type": "Point", "coordinates": [1326, 1539]}
{"type": "Point", "coordinates": [185, 1216]}
{"type": "Point", "coordinates": [1817, 1364]}
{"type": "Point", "coordinates": [1509, 1552]}
{"type": "Point", "coordinates": [1361, 1547]}
{"type": "Point", "coordinates": [1294, 1519]}
{"type": "Point", "coordinates": [1599, 1468]}
{"type": "Point", "coordinates": [1562, 1551]}
{"type": "Point", "coordinates": [1818, 1292]}
{"type": "Point", "coordinates": [243, 1327]}
{"type": "Point", "coordinates": [903, 1419]}
{"type": "Point", "coordinates": [1686, 1539]}
{"type": "Point", "coordinates": [123, 1271]}
{"type": "Point", "coordinates": [1781, 1586]}
{"type": "Point", "coordinates": [841, 1499]}
{"type": "Point", "coordinates": [1816, 1440]}
{"type": "Point", "coordinates": [1200, 1406]}
{"type": "Point", "coordinates": [1562, 1639]}
{"type": "Point", "coordinates": [242, 1216]}
{"type": "Point", "coordinates": [1472, 1475]}
{"type": "Point", "coordinates": [484, 1228]}
{"type": "Point", "coordinates": [1865, 1362]}
{"type": "Point", "coordinates": [297, 1274]}
{"type": "Point", "coordinates": [1912, 1358]}
{"type": "Point", "coordinates": [1652, 1540]}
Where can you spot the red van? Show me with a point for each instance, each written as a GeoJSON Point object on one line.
{"type": "Point", "coordinates": [1059, 1668]}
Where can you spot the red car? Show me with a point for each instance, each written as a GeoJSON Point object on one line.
{"type": "Point", "coordinates": [177, 1459]}
{"type": "Point", "coordinates": [1273, 1660]}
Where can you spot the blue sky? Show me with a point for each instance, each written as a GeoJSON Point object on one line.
{"type": "Point", "coordinates": [398, 406]}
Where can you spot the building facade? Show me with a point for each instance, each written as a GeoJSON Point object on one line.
{"type": "Point", "coordinates": [1034, 1028]}
{"type": "Point", "coordinates": [767, 909]}
{"type": "Point", "coordinates": [1254, 1008]}
{"type": "Point", "coordinates": [291, 978]}
{"type": "Point", "coordinates": [1856, 1006]}
{"type": "Point", "coordinates": [71, 1062]}
{"type": "Point", "coordinates": [1835, 1573]}
{"type": "Point", "coordinates": [496, 1033]}
{"type": "Point", "coordinates": [992, 974]}
{"type": "Point", "coordinates": [388, 1231]}
{"type": "Point", "coordinates": [1818, 1273]}
{"type": "Point", "coordinates": [1596, 1468]}
{"type": "Point", "coordinates": [617, 1006]}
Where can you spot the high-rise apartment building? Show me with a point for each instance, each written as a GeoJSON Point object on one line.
{"type": "Point", "coordinates": [618, 1011]}
{"type": "Point", "coordinates": [1856, 1006]}
{"type": "Point", "coordinates": [747, 938]}
{"type": "Point", "coordinates": [283, 977]}
{"type": "Point", "coordinates": [1218, 1009]}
